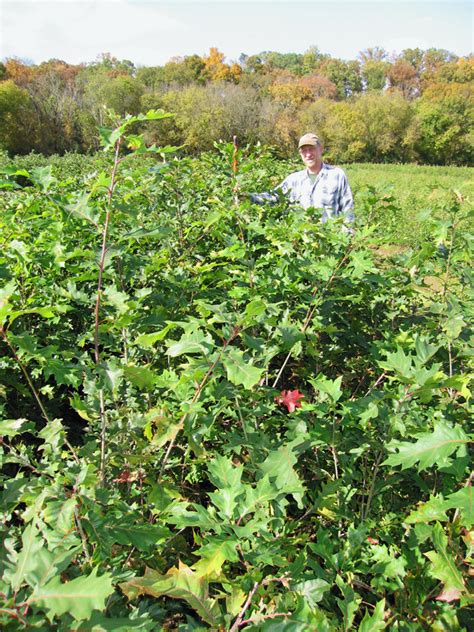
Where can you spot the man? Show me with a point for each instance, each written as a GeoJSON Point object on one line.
{"type": "Point", "coordinates": [318, 185]}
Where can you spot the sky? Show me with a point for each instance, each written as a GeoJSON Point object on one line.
{"type": "Point", "coordinates": [152, 32]}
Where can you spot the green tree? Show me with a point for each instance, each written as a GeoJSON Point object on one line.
{"type": "Point", "coordinates": [18, 121]}
{"type": "Point", "coordinates": [344, 75]}
{"type": "Point", "coordinates": [292, 62]}
{"type": "Point", "coordinates": [388, 130]}
{"type": "Point", "coordinates": [312, 59]}
{"type": "Point", "coordinates": [121, 93]}
{"type": "Point", "coordinates": [374, 74]}
{"type": "Point", "coordinates": [152, 78]}
{"type": "Point", "coordinates": [184, 71]}
{"type": "Point", "coordinates": [446, 125]}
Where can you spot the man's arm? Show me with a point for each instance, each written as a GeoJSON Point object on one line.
{"type": "Point", "coordinates": [345, 201]}
{"type": "Point", "coordinates": [267, 197]}
{"type": "Point", "coordinates": [282, 191]}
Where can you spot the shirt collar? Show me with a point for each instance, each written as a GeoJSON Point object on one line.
{"type": "Point", "coordinates": [323, 168]}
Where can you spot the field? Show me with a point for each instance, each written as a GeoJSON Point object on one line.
{"type": "Point", "coordinates": [218, 415]}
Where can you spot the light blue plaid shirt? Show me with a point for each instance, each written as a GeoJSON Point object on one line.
{"type": "Point", "coordinates": [330, 192]}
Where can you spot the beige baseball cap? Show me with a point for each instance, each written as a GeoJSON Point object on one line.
{"type": "Point", "coordinates": [309, 139]}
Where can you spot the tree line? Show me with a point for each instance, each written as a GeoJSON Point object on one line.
{"type": "Point", "coordinates": [415, 106]}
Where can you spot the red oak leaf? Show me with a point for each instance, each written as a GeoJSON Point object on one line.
{"type": "Point", "coordinates": [126, 476]}
{"type": "Point", "coordinates": [372, 540]}
{"type": "Point", "coordinates": [290, 399]}
{"type": "Point", "coordinates": [449, 594]}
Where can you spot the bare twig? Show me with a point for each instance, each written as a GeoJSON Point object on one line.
{"type": "Point", "coordinates": [365, 510]}
{"type": "Point", "coordinates": [240, 618]}
{"type": "Point", "coordinates": [234, 169]}
{"type": "Point", "coordinates": [85, 547]}
{"type": "Point", "coordinates": [25, 373]}
{"type": "Point", "coordinates": [102, 414]}
{"type": "Point", "coordinates": [376, 383]}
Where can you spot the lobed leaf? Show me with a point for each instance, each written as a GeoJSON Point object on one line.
{"type": "Point", "coordinates": [78, 597]}
{"type": "Point", "coordinates": [430, 448]}
{"type": "Point", "coordinates": [240, 372]}
{"type": "Point", "coordinates": [443, 567]}
{"type": "Point", "coordinates": [180, 583]}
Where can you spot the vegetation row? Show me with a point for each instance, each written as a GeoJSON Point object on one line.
{"type": "Point", "coordinates": [412, 107]}
{"type": "Point", "coordinates": [217, 415]}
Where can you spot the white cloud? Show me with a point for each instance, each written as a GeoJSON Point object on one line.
{"type": "Point", "coordinates": [79, 30]}
{"type": "Point", "coordinates": [150, 32]}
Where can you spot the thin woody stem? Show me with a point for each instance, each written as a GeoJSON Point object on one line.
{"type": "Point", "coordinates": [197, 394]}
{"type": "Point", "coordinates": [240, 618]}
{"type": "Point", "coordinates": [33, 389]}
{"type": "Point", "coordinates": [312, 309]}
{"type": "Point", "coordinates": [103, 418]}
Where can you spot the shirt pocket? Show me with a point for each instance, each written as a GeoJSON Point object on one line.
{"type": "Point", "coordinates": [328, 197]}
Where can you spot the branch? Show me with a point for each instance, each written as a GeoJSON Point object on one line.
{"type": "Point", "coordinates": [33, 389]}
{"type": "Point", "coordinates": [240, 618]}
{"type": "Point", "coordinates": [103, 420]}
{"type": "Point", "coordinates": [312, 308]}
{"type": "Point", "coordinates": [196, 396]}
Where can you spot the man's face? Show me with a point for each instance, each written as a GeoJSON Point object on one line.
{"type": "Point", "coordinates": [311, 156]}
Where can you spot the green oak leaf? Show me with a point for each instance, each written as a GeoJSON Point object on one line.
{"type": "Point", "coordinates": [142, 536]}
{"type": "Point", "coordinates": [226, 477]}
{"type": "Point", "coordinates": [78, 597]}
{"type": "Point", "coordinates": [443, 567]}
{"type": "Point", "coordinates": [26, 563]}
{"type": "Point", "coordinates": [375, 621]}
{"type": "Point", "coordinates": [239, 371]}
{"type": "Point", "coordinates": [278, 466]}
{"type": "Point", "coordinates": [213, 555]}
{"type": "Point", "coordinates": [433, 509]}
{"type": "Point", "coordinates": [12, 427]}
{"type": "Point", "coordinates": [399, 363]}
{"type": "Point", "coordinates": [464, 501]}
{"type": "Point", "coordinates": [430, 448]}
{"type": "Point", "coordinates": [190, 342]}
{"type": "Point", "coordinates": [312, 590]}
{"type": "Point", "coordinates": [350, 604]}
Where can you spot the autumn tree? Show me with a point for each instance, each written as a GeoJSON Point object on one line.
{"type": "Point", "coordinates": [402, 76]}
{"type": "Point", "coordinates": [18, 71]}
{"type": "Point", "coordinates": [57, 100]}
{"type": "Point", "coordinates": [319, 86]}
{"type": "Point", "coordinates": [216, 70]}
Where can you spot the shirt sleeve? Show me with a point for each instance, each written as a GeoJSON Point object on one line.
{"type": "Point", "coordinates": [271, 197]}
{"type": "Point", "coordinates": [267, 197]}
{"type": "Point", "coordinates": [345, 200]}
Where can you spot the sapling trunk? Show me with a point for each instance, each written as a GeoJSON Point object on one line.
{"type": "Point", "coordinates": [103, 417]}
